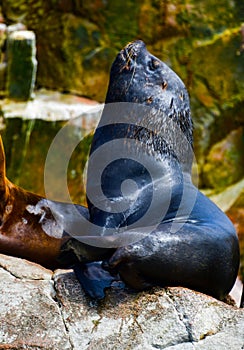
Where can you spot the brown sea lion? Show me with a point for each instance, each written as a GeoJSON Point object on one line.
{"type": "Point", "coordinates": [23, 215]}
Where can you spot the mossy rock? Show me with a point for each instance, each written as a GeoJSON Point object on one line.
{"type": "Point", "coordinates": [225, 161]}
{"type": "Point", "coordinates": [73, 36]}
{"type": "Point", "coordinates": [77, 42]}
{"type": "Point", "coordinates": [27, 143]}
{"type": "Point", "coordinates": [213, 71]}
{"type": "Point", "coordinates": [22, 64]}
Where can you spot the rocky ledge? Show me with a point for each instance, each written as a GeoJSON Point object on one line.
{"type": "Point", "coordinates": [41, 309]}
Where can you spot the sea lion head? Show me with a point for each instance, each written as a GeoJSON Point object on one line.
{"type": "Point", "coordinates": [139, 77]}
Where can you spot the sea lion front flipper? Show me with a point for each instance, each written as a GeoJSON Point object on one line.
{"type": "Point", "coordinates": [125, 262]}
{"type": "Point", "coordinates": [94, 279]}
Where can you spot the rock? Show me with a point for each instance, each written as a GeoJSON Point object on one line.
{"type": "Point", "coordinates": [228, 198]}
{"type": "Point", "coordinates": [225, 161]}
{"type": "Point", "coordinates": [22, 64]}
{"type": "Point", "coordinates": [16, 27]}
{"type": "Point", "coordinates": [54, 106]}
{"type": "Point", "coordinates": [23, 269]}
{"type": "Point", "coordinates": [30, 129]}
{"type": "Point", "coordinates": [3, 65]}
{"type": "Point", "coordinates": [30, 318]}
{"type": "Point", "coordinates": [3, 34]}
{"type": "Point", "coordinates": [3, 72]}
{"type": "Point", "coordinates": [52, 312]}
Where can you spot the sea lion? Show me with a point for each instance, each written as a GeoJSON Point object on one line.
{"type": "Point", "coordinates": [189, 241]}
{"type": "Point", "coordinates": [185, 240]}
{"type": "Point", "coordinates": [28, 228]}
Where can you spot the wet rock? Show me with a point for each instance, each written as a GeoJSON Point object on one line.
{"type": "Point", "coordinates": [22, 64]}
{"type": "Point", "coordinates": [54, 106]}
{"type": "Point", "coordinates": [225, 162]}
{"type": "Point", "coordinates": [52, 312]}
{"type": "Point", "coordinates": [30, 129]}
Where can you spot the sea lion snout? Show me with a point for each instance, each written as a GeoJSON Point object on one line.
{"type": "Point", "coordinates": [138, 76]}
{"type": "Point", "coordinates": [135, 53]}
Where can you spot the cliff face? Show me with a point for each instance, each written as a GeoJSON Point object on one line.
{"type": "Point", "coordinates": [202, 41]}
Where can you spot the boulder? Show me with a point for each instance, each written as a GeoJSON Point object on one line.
{"type": "Point", "coordinates": [22, 65]}
{"type": "Point", "coordinates": [40, 309]}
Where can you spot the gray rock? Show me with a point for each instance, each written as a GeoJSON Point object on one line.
{"type": "Point", "coordinates": [29, 316]}
{"type": "Point", "coordinates": [53, 106]}
{"type": "Point", "coordinates": [44, 310]}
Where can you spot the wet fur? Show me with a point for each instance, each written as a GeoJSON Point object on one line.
{"type": "Point", "coordinates": [204, 253]}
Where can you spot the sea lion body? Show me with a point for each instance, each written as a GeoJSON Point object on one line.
{"type": "Point", "coordinates": [202, 256]}
{"type": "Point", "coordinates": [164, 231]}
{"type": "Point", "coordinates": [193, 244]}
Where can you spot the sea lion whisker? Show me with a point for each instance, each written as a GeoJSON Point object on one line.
{"type": "Point", "coordinates": [164, 85]}
{"type": "Point", "coordinates": [130, 56]}
{"type": "Point", "coordinates": [132, 77]}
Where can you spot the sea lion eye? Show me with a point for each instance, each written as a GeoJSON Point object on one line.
{"type": "Point", "coordinates": [154, 64]}
{"type": "Point", "coordinates": [164, 85]}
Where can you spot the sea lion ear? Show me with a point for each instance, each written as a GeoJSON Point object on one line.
{"type": "Point", "coordinates": [153, 64]}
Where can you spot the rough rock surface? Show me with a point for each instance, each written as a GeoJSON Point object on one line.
{"type": "Point", "coordinates": [40, 309]}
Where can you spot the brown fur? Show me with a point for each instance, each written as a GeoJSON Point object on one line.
{"type": "Point", "coordinates": [21, 233]}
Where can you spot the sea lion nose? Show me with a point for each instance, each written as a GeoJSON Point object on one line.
{"type": "Point", "coordinates": [136, 47]}
{"type": "Point", "coordinates": [136, 44]}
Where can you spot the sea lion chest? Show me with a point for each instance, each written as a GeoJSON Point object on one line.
{"type": "Point", "coordinates": [126, 181]}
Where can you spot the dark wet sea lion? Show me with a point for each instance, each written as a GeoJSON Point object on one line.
{"type": "Point", "coordinates": [193, 244]}
{"type": "Point", "coordinates": [186, 241]}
